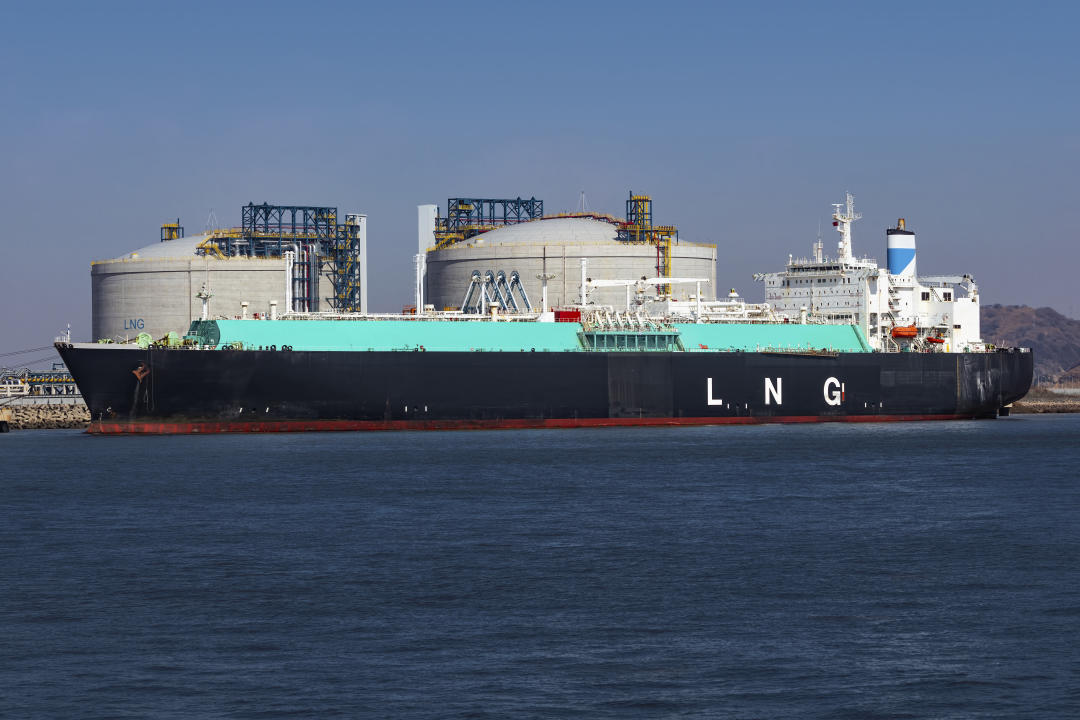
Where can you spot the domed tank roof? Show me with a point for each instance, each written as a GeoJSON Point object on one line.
{"type": "Point", "coordinates": [179, 248]}
{"type": "Point", "coordinates": [553, 230]}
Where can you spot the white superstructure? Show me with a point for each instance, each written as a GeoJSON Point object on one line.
{"type": "Point", "coordinates": [896, 309]}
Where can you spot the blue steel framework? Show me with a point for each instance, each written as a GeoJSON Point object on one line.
{"type": "Point", "coordinates": [266, 231]}
{"type": "Point", "coordinates": [466, 212]}
{"type": "Point", "coordinates": [466, 217]}
{"type": "Point", "coordinates": [343, 253]}
{"type": "Point", "coordinates": [316, 238]}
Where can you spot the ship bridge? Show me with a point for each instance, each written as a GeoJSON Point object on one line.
{"type": "Point", "coordinates": [895, 308]}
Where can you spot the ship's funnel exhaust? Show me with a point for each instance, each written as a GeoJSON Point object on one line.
{"type": "Point", "coordinates": [901, 250]}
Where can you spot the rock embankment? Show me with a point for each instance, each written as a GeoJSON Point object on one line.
{"type": "Point", "coordinates": [1044, 401]}
{"type": "Point", "coordinates": [49, 417]}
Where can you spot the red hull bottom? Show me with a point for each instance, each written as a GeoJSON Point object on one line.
{"type": "Point", "coordinates": [213, 427]}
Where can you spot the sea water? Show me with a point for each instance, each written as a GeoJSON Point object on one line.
{"type": "Point", "coordinates": [880, 570]}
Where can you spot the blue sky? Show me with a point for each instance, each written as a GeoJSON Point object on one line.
{"type": "Point", "coordinates": [744, 121]}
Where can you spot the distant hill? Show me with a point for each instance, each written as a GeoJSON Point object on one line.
{"type": "Point", "coordinates": [1054, 338]}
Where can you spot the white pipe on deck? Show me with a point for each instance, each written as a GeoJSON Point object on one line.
{"type": "Point", "coordinates": [583, 280]}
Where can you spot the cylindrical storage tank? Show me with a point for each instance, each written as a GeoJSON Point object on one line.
{"type": "Point", "coordinates": [156, 289]}
{"type": "Point", "coordinates": [900, 246]}
{"type": "Point", "coordinates": [555, 247]}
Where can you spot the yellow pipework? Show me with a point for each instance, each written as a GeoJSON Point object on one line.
{"type": "Point", "coordinates": [208, 245]}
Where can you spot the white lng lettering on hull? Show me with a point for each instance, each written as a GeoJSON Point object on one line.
{"type": "Point", "coordinates": [773, 391]}
{"type": "Point", "coordinates": [834, 391]}
{"type": "Point", "coordinates": [709, 395]}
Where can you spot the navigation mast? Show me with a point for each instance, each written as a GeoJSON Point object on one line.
{"type": "Point", "coordinates": [842, 221]}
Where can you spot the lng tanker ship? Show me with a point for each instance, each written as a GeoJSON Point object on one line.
{"type": "Point", "coordinates": [839, 339]}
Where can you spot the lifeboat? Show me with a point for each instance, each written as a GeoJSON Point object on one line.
{"type": "Point", "coordinates": [935, 340]}
{"type": "Point", "coordinates": [905, 331]}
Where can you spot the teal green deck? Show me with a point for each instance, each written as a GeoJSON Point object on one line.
{"type": "Point", "coordinates": [751, 338]}
{"type": "Point", "coordinates": [488, 336]}
{"type": "Point", "coordinates": [358, 335]}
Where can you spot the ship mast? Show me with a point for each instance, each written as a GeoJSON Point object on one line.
{"type": "Point", "coordinates": [842, 221]}
{"type": "Point", "coordinates": [818, 246]}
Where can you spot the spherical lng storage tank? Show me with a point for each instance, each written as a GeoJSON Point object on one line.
{"type": "Point", "coordinates": [555, 246]}
{"type": "Point", "coordinates": [155, 289]}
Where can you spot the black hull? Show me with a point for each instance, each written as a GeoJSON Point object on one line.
{"type": "Point", "coordinates": [193, 390]}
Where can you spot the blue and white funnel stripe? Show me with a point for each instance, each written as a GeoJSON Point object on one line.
{"type": "Point", "coordinates": [901, 253]}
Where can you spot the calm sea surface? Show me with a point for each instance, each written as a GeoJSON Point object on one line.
{"type": "Point", "coordinates": [923, 570]}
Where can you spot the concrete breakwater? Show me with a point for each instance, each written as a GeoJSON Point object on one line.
{"type": "Point", "coordinates": [49, 417]}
